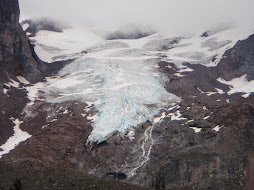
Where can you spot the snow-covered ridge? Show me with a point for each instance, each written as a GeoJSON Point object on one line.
{"type": "Point", "coordinates": [198, 48]}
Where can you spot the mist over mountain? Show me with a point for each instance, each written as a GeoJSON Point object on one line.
{"type": "Point", "coordinates": [168, 16]}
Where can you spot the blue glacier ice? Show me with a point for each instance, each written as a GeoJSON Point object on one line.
{"type": "Point", "coordinates": [125, 91]}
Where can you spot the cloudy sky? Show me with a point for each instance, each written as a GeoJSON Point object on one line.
{"type": "Point", "coordinates": [161, 14]}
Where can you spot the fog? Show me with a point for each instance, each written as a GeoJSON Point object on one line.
{"type": "Point", "coordinates": [163, 15]}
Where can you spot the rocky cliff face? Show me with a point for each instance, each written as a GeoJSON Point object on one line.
{"type": "Point", "coordinates": [238, 61]}
{"type": "Point", "coordinates": [9, 12]}
{"type": "Point", "coordinates": [17, 58]}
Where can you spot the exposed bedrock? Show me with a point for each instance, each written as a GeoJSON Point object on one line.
{"type": "Point", "coordinates": [17, 58]}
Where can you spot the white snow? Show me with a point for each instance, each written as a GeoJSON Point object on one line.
{"type": "Point", "coordinates": [22, 80]}
{"type": "Point", "coordinates": [210, 93]}
{"type": "Point", "coordinates": [217, 128]}
{"type": "Point", "coordinates": [25, 26]}
{"type": "Point", "coordinates": [205, 118]}
{"type": "Point", "coordinates": [131, 135]}
{"type": "Point", "coordinates": [5, 91]}
{"type": "Point", "coordinates": [158, 119]}
{"type": "Point", "coordinates": [202, 92]}
{"type": "Point", "coordinates": [187, 69]}
{"type": "Point", "coordinates": [176, 116]}
{"type": "Point", "coordinates": [240, 84]}
{"type": "Point", "coordinates": [189, 121]}
{"type": "Point", "coordinates": [32, 92]}
{"type": "Point", "coordinates": [196, 49]}
{"type": "Point", "coordinates": [52, 46]}
{"type": "Point", "coordinates": [14, 140]}
{"type": "Point", "coordinates": [171, 108]}
{"type": "Point", "coordinates": [246, 95]}
{"type": "Point", "coordinates": [179, 75]}
{"type": "Point", "coordinates": [197, 130]}
{"type": "Point", "coordinates": [12, 83]}
{"type": "Point", "coordinates": [220, 91]}
{"type": "Point", "coordinates": [53, 120]}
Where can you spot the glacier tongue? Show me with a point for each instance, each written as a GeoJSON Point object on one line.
{"type": "Point", "coordinates": [125, 92]}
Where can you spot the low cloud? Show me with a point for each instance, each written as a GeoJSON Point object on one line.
{"type": "Point", "coordinates": [164, 15]}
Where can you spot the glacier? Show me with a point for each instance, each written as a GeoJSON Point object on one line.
{"type": "Point", "coordinates": [121, 77]}
{"type": "Point", "coordinates": [122, 83]}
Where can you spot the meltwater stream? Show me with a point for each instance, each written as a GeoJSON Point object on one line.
{"type": "Point", "coordinates": [123, 83]}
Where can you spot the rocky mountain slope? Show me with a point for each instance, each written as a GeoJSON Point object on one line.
{"type": "Point", "coordinates": [165, 112]}
{"type": "Point", "coordinates": [17, 59]}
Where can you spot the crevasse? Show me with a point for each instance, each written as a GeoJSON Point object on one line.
{"type": "Point", "coordinates": [125, 92]}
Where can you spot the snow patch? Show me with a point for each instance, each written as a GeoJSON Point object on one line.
{"type": "Point", "coordinates": [220, 91]}
{"type": "Point", "coordinates": [32, 92]}
{"type": "Point", "coordinates": [52, 46]}
{"type": "Point", "coordinates": [210, 93]}
{"type": "Point", "coordinates": [12, 83]}
{"type": "Point", "coordinates": [25, 26]}
{"type": "Point", "coordinates": [246, 95]}
{"type": "Point", "coordinates": [131, 135]}
{"type": "Point", "coordinates": [205, 118]}
{"type": "Point", "coordinates": [22, 80]}
{"type": "Point", "coordinates": [217, 128]}
{"type": "Point", "coordinates": [197, 130]}
{"type": "Point", "coordinates": [176, 116]}
{"type": "Point", "coordinates": [5, 91]}
{"type": "Point", "coordinates": [14, 140]}
{"type": "Point", "coordinates": [179, 75]}
{"type": "Point", "coordinates": [240, 84]}
{"type": "Point", "coordinates": [158, 119]}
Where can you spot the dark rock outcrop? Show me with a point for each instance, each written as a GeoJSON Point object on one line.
{"type": "Point", "coordinates": [17, 58]}
{"type": "Point", "coordinates": [238, 60]}
{"type": "Point", "coordinates": [9, 13]}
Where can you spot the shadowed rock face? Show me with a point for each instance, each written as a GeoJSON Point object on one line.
{"type": "Point", "coordinates": [9, 12]}
{"type": "Point", "coordinates": [17, 58]}
{"type": "Point", "coordinates": [238, 61]}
